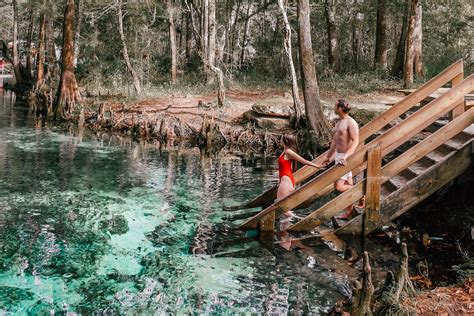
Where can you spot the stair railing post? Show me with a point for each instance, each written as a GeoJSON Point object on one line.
{"type": "Point", "coordinates": [460, 108]}
{"type": "Point", "coordinates": [372, 189]}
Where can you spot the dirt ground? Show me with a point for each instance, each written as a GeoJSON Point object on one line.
{"type": "Point", "coordinates": [193, 108]}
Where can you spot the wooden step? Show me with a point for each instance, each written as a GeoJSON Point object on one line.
{"type": "Point", "coordinates": [387, 188]}
{"type": "Point", "coordinates": [421, 165]}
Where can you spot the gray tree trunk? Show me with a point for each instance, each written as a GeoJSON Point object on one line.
{"type": "Point", "coordinates": [333, 47]}
{"type": "Point", "coordinates": [77, 33]}
{"type": "Point", "coordinates": [41, 52]}
{"type": "Point", "coordinates": [398, 64]}
{"type": "Point", "coordinates": [136, 80]}
{"type": "Point", "coordinates": [410, 47]}
{"type": "Point", "coordinates": [211, 49]}
{"type": "Point", "coordinates": [381, 36]}
{"type": "Point", "coordinates": [316, 121]}
{"type": "Point", "coordinates": [418, 55]}
{"type": "Point", "coordinates": [294, 84]}
{"type": "Point", "coordinates": [16, 57]}
{"type": "Point", "coordinates": [172, 34]}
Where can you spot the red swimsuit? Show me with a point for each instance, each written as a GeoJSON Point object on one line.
{"type": "Point", "coordinates": [285, 167]}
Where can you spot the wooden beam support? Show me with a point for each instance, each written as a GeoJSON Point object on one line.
{"type": "Point", "coordinates": [372, 189]}
{"type": "Point", "coordinates": [460, 108]}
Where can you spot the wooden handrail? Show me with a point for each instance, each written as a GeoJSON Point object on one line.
{"type": "Point", "coordinates": [388, 141]}
{"type": "Point", "coordinates": [304, 173]}
{"type": "Point", "coordinates": [391, 169]}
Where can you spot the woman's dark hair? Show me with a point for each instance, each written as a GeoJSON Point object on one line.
{"type": "Point", "coordinates": [344, 105]}
{"type": "Point", "coordinates": [290, 140]}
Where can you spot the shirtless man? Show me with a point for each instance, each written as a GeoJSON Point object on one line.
{"type": "Point", "coordinates": [345, 142]}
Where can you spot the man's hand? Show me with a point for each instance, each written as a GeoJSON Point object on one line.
{"type": "Point", "coordinates": [343, 161]}
{"type": "Point", "coordinates": [325, 162]}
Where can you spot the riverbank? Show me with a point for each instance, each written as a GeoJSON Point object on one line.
{"type": "Point", "coordinates": [250, 120]}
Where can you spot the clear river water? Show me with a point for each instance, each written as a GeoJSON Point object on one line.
{"type": "Point", "coordinates": [95, 224]}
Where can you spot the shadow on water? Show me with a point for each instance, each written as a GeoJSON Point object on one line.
{"type": "Point", "coordinates": [95, 223]}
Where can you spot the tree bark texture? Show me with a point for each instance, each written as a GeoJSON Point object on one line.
{"type": "Point", "coordinates": [172, 34]}
{"type": "Point", "coordinates": [381, 36]}
{"type": "Point", "coordinates": [189, 36]}
{"type": "Point", "coordinates": [68, 92]}
{"type": "Point", "coordinates": [316, 121]}
{"type": "Point", "coordinates": [77, 33]}
{"type": "Point", "coordinates": [244, 39]}
{"type": "Point", "coordinates": [361, 304]}
{"type": "Point", "coordinates": [41, 52]}
{"type": "Point", "coordinates": [333, 47]}
{"type": "Point", "coordinates": [398, 64]}
{"type": "Point", "coordinates": [205, 35]}
{"type": "Point", "coordinates": [29, 40]}
{"type": "Point", "coordinates": [211, 49]}
{"type": "Point", "coordinates": [356, 35]}
{"type": "Point", "coordinates": [51, 49]}
{"type": "Point", "coordinates": [418, 56]}
{"type": "Point", "coordinates": [136, 80]}
{"type": "Point", "coordinates": [410, 47]}
{"type": "Point", "coordinates": [294, 84]}
{"type": "Point", "coordinates": [16, 57]}
{"type": "Point", "coordinates": [218, 72]}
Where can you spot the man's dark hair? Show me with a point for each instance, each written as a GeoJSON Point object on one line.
{"type": "Point", "coordinates": [344, 105]}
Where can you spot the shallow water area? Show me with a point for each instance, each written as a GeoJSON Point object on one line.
{"type": "Point", "coordinates": [95, 224]}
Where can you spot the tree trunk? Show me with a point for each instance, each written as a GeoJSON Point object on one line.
{"type": "Point", "coordinates": [356, 35]}
{"type": "Point", "coordinates": [205, 35]}
{"type": "Point", "coordinates": [172, 33]}
{"type": "Point", "coordinates": [316, 121]}
{"type": "Point", "coordinates": [41, 52]}
{"type": "Point", "coordinates": [294, 85]}
{"type": "Point", "coordinates": [211, 49]}
{"type": "Point", "coordinates": [77, 33]}
{"type": "Point", "coordinates": [381, 36]}
{"type": "Point", "coordinates": [189, 37]}
{"type": "Point", "coordinates": [68, 93]}
{"type": "Point", "coordinates": [333, 48]}
{"type": "Point", "coordinates": [202, 51]}
{"type": "Point", "coordinates": [16, 58]}
{"type": "Point", "coordinates": [230, 58]}
{"type": "Point", "coordinates": [363, 291]}
{"type": "Point", "coordinates": [410, 47]}
{"type": "Point", "coordinates": [244, 40]}
{"type": "Point", "coordinates": [418, 56]}
{"type": "Point", "coordinates": [29, 40]}
{"type": "Point", "coordinates": [136, 80]}
{"type": "Point", "coordinates": [51, 48]}
{"type": "Point", "coordinates": [397, 69]}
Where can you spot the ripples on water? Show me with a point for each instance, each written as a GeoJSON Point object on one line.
{"type": "Point", "coordinates": [88, 225]}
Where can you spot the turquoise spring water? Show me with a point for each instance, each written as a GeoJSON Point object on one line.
{"type": "Point", "coordinates": [94, 224]}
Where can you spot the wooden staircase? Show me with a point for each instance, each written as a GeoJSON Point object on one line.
{"type": "Point", "coordinates": [415, 149]}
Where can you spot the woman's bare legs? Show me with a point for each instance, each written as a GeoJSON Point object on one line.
{"type": "Point", "coordinates": [284, 189]}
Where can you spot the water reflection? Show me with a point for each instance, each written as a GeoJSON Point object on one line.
{"type": "Point", "coordinates": [94, 223]}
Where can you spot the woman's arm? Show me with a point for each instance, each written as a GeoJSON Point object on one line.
{"type": "Point", "coordinates": [292, 155]}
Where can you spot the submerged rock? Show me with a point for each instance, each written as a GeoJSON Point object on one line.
{"type": "Point", "coordinates": [118, 225]}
